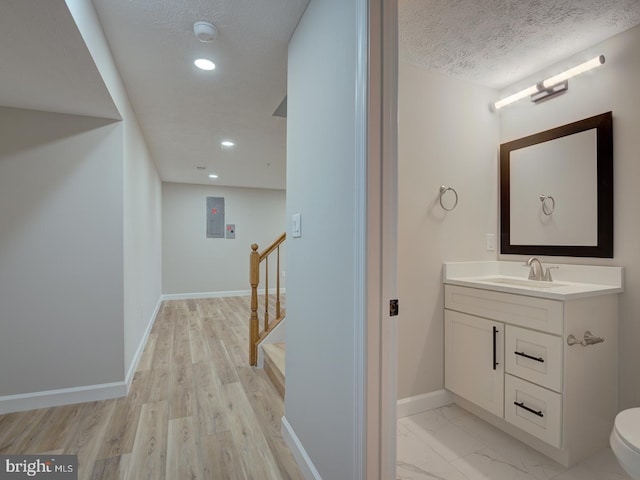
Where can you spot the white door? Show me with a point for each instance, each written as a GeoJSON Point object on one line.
{"type": "Point", "coordinates": [473, 360]}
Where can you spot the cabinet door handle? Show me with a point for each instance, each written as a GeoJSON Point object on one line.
{"type": "Point", "coordinates": [535, 412]}
{"type": "Point", "coordinates": [495, 334]}
{"type": "Point", "coordinates": [537, 359]}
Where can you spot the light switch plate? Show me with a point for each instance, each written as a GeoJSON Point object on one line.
{"type": "Point", "coordinates": [296, 227]}
{"type": "Point", "coordinates": [491, 242]}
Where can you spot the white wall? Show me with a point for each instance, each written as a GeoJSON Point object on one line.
{"type": "Point", "coordinates": [193, 263]}
{"type": "Point", "coordinates": [322, 177]}
{"type": "Point", "coordinates": [614, 86]}
{"type": "Point", "coordinates": [142, 196]}
{"type": "Point", "coordinates": [79, 244]}
{"type": "Point", "coordinates": [61, 272]}
{"type": "Point", "coordinates": [142, 242]}
{"type": "Point", "coordinates": [446, 136]}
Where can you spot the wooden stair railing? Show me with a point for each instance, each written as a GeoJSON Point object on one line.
{"type": "Point", "coordinates": [255, 259]}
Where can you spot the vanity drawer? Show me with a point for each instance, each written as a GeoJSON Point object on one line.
{"type": "Point", "coordinates": [534, 356]}
{"type": "Point", "coordinates": [533, 409]}
{"type": "Point", "coordinates": [530, 312]}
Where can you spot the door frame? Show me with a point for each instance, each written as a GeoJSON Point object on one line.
{"type": "Point", "coordinates": [380, 330]}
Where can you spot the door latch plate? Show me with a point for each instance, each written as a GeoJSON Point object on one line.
{"type": "Point", "coordinates": [393, 307]}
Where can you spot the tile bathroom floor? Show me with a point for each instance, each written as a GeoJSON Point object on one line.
{"type": "Point", "coordinates": [449, 443]}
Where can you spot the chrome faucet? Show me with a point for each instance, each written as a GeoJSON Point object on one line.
{"type": "Point", "coordinates": [536, 271]}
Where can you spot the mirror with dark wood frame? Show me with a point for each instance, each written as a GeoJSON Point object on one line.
{"type": "Point", "coordinates": [600, 242]}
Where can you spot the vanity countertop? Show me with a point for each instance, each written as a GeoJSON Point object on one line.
{"type": "Point", "coordinates": [569, 281]}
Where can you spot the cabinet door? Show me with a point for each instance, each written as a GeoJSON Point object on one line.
{"type": "Point", "coordinates": [474, 360]}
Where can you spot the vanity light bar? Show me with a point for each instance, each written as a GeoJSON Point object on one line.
{"type": "Point", "coordinates": [549, 83]}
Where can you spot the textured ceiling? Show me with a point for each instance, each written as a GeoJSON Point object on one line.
{"type": "Point", "coordinates": [45, 64]}
{"type": "Point", "coordinates": [498, 42]}
{"type": "Point", "coordinates": [184, 112]}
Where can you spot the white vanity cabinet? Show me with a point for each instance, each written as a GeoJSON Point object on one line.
{"type": "Point", "coordinates": [507, 360]}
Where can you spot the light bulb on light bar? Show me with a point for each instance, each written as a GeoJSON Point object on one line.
{"type": "Point", "coordinates": [516, 96]}
{"type": "Point", "coordinates": [572, 72]}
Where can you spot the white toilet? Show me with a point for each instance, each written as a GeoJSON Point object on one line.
{"type": "Point", "coordinates": [625, 441]}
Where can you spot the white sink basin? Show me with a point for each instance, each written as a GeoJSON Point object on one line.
{"type": "Point", "coordinates": [521, 282]}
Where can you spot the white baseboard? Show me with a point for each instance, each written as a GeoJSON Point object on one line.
{"type": "Point", "coordinates": [92, 393]}
{"type": "Point", "coordinates": [65, 396]}
{"type": "Point", "coordinates": [231, 293]}
{"type": "Point", "coordinates": [299, 454]}
{"type": "Point", "coordinates": [89, 393]}
{"type": "Point", "coordinates": [422, 403]}
{"type": "Point", "coordinates": [188, 296]}
{"type": "Point", "coordinates": [143, 342]}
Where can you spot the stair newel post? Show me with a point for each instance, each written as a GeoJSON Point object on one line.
{"type": "Point", "coordinates": [278, 284]}
{"type": "Point", "coordinates": [254, 280]}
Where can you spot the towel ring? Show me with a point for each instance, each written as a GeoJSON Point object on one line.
{"type": "Point", "coordinates": [444, 189]}
{"type": "Point", "coordinates": [547, 208]}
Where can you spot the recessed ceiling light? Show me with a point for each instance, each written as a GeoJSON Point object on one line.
{"type": "Point", "coordinates": [213, 175]}
{"type": "Point", "coordinates": [227, 143]}
{"type": "Point", "coordinates": [204, 64]}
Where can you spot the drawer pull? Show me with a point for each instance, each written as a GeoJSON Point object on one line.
{"type": "Point", "coordinates": [537, 359]}
{"type": "Point", "coordinates": [531, 410]}
{"type": "Point", "coordinates": [495, 363]}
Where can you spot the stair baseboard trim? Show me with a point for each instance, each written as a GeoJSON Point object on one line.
{"type": "Point", "coordinates": [65, 396]}
{"type": "Point", "coordinates": [133, 366]}
{"type": "Point", "coordinates": [421, 403]}
{"type": "Point", "coordinates": [307, 467]}
{"type": "Point", "coordinates": [276, 335]}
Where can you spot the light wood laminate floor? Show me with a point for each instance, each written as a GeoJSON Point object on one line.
{"type": "Point", "coordinates": [196, 410]}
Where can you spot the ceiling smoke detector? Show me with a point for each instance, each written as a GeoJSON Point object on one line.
{"type": "Point", "coordinates": [205, 31]}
